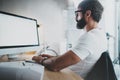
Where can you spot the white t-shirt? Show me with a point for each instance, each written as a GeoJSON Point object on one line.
{"type": "Point", "coordinates": [89, 48]}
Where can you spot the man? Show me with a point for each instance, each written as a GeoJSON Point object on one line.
{"type": "Point", "coordinates": [89, 47]}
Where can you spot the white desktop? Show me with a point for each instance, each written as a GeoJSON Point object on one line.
{"type": "Point", "coordinates": [18, 34]}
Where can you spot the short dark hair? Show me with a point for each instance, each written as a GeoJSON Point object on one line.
{"type": "Point", "coordinates": [94, 6]}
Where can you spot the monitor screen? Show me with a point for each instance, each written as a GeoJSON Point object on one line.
{"type": "Point", "coordinates": [17, 32]}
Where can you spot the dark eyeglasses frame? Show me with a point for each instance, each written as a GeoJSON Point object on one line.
{"type": "Point", "coordinates": [78, 11]}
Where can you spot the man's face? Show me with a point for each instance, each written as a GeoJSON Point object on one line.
{"type": "Point", "coordinates": [80, 19]}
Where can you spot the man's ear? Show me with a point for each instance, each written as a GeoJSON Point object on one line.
{"type": "Point", "coordinates": [88, 13]}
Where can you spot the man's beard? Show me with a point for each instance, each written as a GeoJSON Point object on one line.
{"type": "Point", "coordinates": [81, 24]}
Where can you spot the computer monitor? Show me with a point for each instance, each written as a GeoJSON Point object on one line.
{"type": "Point", "coordinates": [17, 34]}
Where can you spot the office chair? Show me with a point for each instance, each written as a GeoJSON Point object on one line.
{"type": "Point", "coordinates": [103, 69]}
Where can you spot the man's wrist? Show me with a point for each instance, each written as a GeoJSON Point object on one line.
{"type": "Point", "coordinates": [42, 61]}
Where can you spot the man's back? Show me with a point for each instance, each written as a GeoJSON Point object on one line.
{"type": "Point", "coordinates": [89, 48]}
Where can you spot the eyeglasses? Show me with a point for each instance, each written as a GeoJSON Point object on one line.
{"type": "Point", "coordinates": [78, 11]}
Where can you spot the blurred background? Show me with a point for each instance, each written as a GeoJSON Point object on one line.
{"type": "Point", "coordinates": [57, 24]}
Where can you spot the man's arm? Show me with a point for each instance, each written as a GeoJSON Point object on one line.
{"type": "Point", "coordinates": [60, 62]}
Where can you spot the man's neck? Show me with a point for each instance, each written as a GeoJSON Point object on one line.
{"type": "Point", "coordinates": [91, 26]}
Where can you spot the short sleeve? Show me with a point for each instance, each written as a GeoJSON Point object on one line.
{"type": "Point", "coordinates": [83, 46]}
{"type": "Point", "coordinates": [81, 52]}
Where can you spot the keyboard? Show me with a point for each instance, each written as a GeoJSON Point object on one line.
{"type": "Point", "coordinates": [21, 70]}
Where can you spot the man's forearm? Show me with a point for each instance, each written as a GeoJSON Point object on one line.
{"type": "Point", "coordinates": [60, 62]}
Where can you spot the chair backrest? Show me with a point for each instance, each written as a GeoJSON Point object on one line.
{"type": "Point", "coordinates": [103, 69]}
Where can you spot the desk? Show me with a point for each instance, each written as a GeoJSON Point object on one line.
{"type": "Point", "coordinates": [65, 74]}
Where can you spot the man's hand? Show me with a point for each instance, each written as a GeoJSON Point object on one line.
{"type": "Point", "coordinates": [40, 58]}
{"type": "Point", "coordinates": [46, 55]}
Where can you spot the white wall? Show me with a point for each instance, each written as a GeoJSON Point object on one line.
{"type": "Point", "coordinates": [49, 14]}
{"type": "Point", "coordinates": [119, 28]}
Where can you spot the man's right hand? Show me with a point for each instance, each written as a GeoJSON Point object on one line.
{"type": "Point", "coordinates": [40, 58]}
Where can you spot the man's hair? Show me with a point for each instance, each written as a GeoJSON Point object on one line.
{"type": "Point", "coordinates": [94, 6]}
